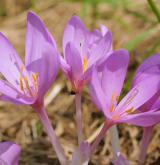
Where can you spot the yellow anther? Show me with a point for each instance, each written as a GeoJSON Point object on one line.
{"type": "Point", "coordinates": [22, 68]}
{"type": "Point", "coordinates": [37, 75]}
{"type": "Point", "coordinates": [130, 110]}
{"type": "Point", "coordinates": [111, 108]}
{"type": "Point", "coordinates": [34, 77]}
{"type": "Point", "coordinates": [113, 97]}
{"type": "Point", "coordinates": [21, 83]}
{"type": "Point", "coordinates": [26, 82]}
{"type": "Point", "coordinates": [84, 63]}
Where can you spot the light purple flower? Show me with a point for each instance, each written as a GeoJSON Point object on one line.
{"type": "Point", "coordinates": [106, 86]}
{"type": "Point", "coordinates": [150, 66]}
{"type": "Point", "coordinates": [27, 83]}
{"type": "Point", "coordinates": [83, 49]}
{"type": "Point", "coordinates": [9, 153]}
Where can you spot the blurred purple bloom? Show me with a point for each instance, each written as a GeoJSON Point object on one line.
{"type": "Point", "coordinates": [27, 84]}
{"type": "Point", "coordinates": [106, 86]}
{"type": "Point", "coordinates": [9, 153]}
{"type": "Point", "coordinates": [83, 49]}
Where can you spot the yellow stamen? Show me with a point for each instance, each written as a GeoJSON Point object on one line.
{"type": "Point", "coordinates": [26, 82]}
{"type": "Point", "coordinates": [111, 108]}
{"type": "Point", "coordinates": [22, 68]}
{"type": "Point", "coordinates": [21, 83]}
{"type": "Point", "coordinates": [130, 110]}
{"type": "Point", "coordinates": [34, 77]}
{"type": "Point", "coordinates": [113, 98]}
{"type": "Point", "coordinates": [84, 63]}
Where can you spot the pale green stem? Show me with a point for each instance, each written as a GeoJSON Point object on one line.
{"type": "Point", "coordinates": [114, 140]}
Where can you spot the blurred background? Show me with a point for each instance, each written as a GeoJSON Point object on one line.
{"type": "Point", "coordinates": [135, 26]}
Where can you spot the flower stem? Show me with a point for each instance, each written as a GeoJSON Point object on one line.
{"type": "Point", "coordinates": [154, 9]}
{"type": "Point", "coordinates": [147, 132]}
{"type": "Point", "coordinates": [51, 134]}
{"type": "Point", "coordinates": [114, 140]}
{"type": "Point", "coordinates": [100, 136]}
{"type": "Point", "coordinates": [79, 118]}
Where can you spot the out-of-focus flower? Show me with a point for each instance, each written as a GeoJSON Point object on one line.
{"type": "Point", "coordinates": [9, 153]}
{"type": "Point", "coordinates": [83, 49]}
{"type": "Point", "coordinates": [106, 87]}
{"type": "Point", "coordinates": [27, 84]}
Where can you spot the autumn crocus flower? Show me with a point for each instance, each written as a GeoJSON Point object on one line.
{"type": "Point", "coordinates": [82, 50]}
{"type": "Point", "coordinates": [105, 90]}
{"type": "Point", "coordinates": [27, 83]}
{"type": "Point", "coordinates": [151, 65]}
{"type": "Point", "coordinates": [9, 153]}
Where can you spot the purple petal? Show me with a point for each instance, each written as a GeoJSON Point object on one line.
{"type": "Point", "coordinates": [10, 62]}
{"type": "Point", "coordinates": [47, 68]}
{"type": "Point", "coordinates": [149, 67]}
{"type": "Point", "coordinates": [140, 94]}
{"type": "Point", "coordinates": [73, 59]}
{"type": "Point", "coordinates": [145, 119]}
{"type": "Point", "coordinates": [9, 153]}
{"type": "Point", "coordinates": [97, 93]}
{"type": "Point", "coordinates": [10, 94]}
{"type": "Point", "coordinates": [37, 36]}
{"type": "Point", "coordinates": [104, 30]}
{"type": "Point", "coordinates": [100, 52]}
{"type": "Point", "coordinates": [151, 104]}
{"type": "Point", "coordinates": [64, 66]}
{"type": "Point", "coordinates": [113, 75]}
{"type": "Point", "coordinates": [76, 33]}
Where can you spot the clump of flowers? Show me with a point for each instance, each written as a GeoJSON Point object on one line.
{"type": "Point", "coordinates": [88, 59]}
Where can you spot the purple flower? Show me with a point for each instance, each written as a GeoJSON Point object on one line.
{"type": "Point", "coordinates": [150, 66]}
{"type": "Point", "coordinates": [27, 83]}
{"type": "Point", "coordinates": [9, 153]}
{"type": "Point", "coordinates": [106, 86]}
{"type": "Point", "coordinates": [83, 49]}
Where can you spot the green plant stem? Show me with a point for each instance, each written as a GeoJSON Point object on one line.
{"type": "Point", "coordinates": [154, 9]}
